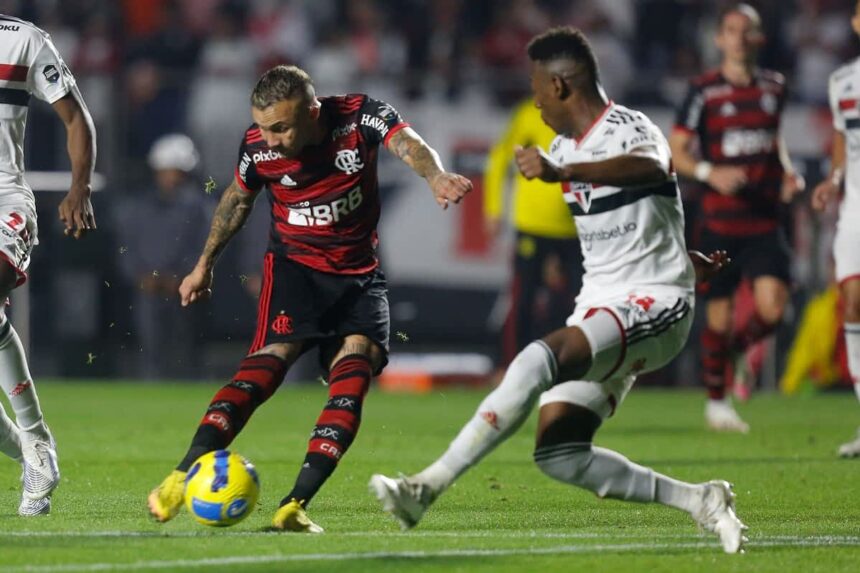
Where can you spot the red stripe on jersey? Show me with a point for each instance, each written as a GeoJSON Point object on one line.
{"type": "Point", "coordinates": [742, 227]}
{"type": "Point", "coordinates": [745, 120]}
{"type": "Point", "coordinates": [13, 73]}
{"type": "Point", "coordinates": [253, 135]}
{"type": "Point", "coordinates": [394, 130]}
{"type": "Point", "coordinates": [846, 104]}
{"type": "Point", "coordinates": [265, 302]}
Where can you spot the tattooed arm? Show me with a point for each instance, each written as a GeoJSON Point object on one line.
{"type": "Point", "coordinates": [423, 159]}
{"type": "Point", "coordinates": [232, 212]}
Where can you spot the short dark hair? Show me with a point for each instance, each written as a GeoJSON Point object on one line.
{"type": "Point", "coordinates": [280, 83]}
{"type": "Point", "coordinates": [747, 10]}
{"type": "Point", "coordinates": [565, 43]}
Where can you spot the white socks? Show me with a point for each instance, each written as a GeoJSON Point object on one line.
{"type": "Point", "coordinates": [10, 441]}
{"type": "Point", "coordinates": [609, 474]}
{"type": "Point", "coordinates": [501, 413]}
{"type": "Point", "coordinates": [852, 345]}
{"type": "Point", "coordinates": [15, 379]}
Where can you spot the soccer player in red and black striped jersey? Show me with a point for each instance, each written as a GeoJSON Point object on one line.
{"type": "Point", "coordinates": [322, 285]}
{"type": "Point", "coordinates": [732, 114]}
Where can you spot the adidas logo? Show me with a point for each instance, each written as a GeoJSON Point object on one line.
{"type": "Point", "coordinates": [288, 181]}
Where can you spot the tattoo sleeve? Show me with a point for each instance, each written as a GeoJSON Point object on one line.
{"type": "Point", "coordinates": [414, 151]}
{"type": "Point", "coordinates": [232, 212]}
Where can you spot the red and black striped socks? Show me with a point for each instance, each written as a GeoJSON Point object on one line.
{"type": "Point", "coordinates": [336, 426]}
{"type": "Point", "coordinates": [255, 382]}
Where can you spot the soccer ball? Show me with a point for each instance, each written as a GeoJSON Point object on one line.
{"type": "Point", "coordinates": [221, 488]}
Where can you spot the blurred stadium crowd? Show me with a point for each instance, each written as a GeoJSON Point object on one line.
{"type": "Point", "coordinates": [150, 68]}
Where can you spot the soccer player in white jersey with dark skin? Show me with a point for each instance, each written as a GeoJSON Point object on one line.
{"type": "Point", "coordinates": [632, 315]}
{"type": "Point", "coordinates": [844, 95]}
{"type": "Point", "coordinates": [31, 66]}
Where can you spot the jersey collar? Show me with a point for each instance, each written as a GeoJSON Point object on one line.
{"type": "Point", "coordinates": [594, 124]}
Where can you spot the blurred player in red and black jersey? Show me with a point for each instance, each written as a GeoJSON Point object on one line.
{"type": "Point", "coordinates": [732, 114]}
{"type": "Point", "coordinates": [322, 285]}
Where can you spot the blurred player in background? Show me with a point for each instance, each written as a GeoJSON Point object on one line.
{"type": "Point", "coordinates": [633, 314]}
{"type": "Point", "coordinates": [547, 271]}
{"type": "Point", "coordinates": [844, 95]}
{"type": "Point", "coordinates": [322, 285]}
{"type": "Point", "coordinates": [732, 115]}
{"type": "Point", "coordinates": [31, 65]}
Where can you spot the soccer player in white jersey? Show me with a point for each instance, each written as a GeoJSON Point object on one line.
{"type": "Point", "coordinates": [844, 94]}
{"type": "Point", "coordinates": [632, 315]}
{"type": "Point", "coordinates": [31, 66]}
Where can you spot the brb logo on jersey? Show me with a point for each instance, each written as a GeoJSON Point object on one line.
{"type": "Point", "coordinates": [348, 161]}
{"type": "Point", "coordinates": [306, 215]}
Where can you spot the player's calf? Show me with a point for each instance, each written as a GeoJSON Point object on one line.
{"type": "Point", "coordinates": [336, 427]}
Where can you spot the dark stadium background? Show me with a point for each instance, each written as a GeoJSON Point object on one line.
{"type": "Point", "coordinates": [453, 68]}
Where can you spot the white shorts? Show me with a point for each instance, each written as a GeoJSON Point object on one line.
{"type": "Point", "coordinates": [846, 253]}
{"type": "Point", "coordinates": [18, 236]}
{"type": "Point", "coordinates": [632, 335]}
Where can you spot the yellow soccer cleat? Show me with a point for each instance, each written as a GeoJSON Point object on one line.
{"type": "Point", "coordinates": [292, 517]}
{"type": "Point", "coordinates": [166, 500]}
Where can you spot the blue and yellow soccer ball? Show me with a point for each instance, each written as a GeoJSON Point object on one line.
{"type": "Point", "coordinates": [221, 488]}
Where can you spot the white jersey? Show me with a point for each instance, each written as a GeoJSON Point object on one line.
{"type": "Point", "coordinates": [632, 238]}
{"type": "Point", "coordinates": [29, 65]}
{"type": "Point", "coordinates": [844, 93]}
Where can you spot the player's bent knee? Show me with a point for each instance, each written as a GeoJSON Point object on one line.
{"type": "Point", "coordinates": [572, 352]}
{"type": "Point", "coordinates": [565, 462]}
{"type": "Point", "coordinates": [287, 351]}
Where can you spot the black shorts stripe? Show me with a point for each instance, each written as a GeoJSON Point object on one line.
{"type": "Point", "coordinates": [13, 96]}
{"type": "Point", "coordinates": [660, 328]}
{"type": "Point", "coordinates": [852, 123]}
{"type": "Point", "coordinates": [625, 197]}
{"type": "Point", "coordinates": [657, 319]}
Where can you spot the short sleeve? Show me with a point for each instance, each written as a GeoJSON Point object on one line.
{"type": "Point", "coordinates": [835, 106]}
{"type": "Point", "coordinates": [49, 78]}
{"type": "Point", "coordinates": [379, 121]}
{"type": "Point", "coordinates": [246, 169]}
{"type": "Point", "coordinates": [642, 138]}
{"type": "Point", "coordinates": [689, 115]}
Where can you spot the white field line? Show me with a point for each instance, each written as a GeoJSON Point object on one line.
{"type": "Point", "coordinates": [779, 541]}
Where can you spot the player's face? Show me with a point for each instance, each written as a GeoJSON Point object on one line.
{"type": "Point", "coordinates": [286, 125]}
{"type": "Point", "coordinates": [739, 37]}
{"type": "Point", "coordinates": [545, 96]}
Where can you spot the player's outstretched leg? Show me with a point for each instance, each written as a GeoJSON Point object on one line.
{"type": "Point", "coordinates": [500, 414]}
{"type": "Point", "coordinates": [335, 430]}
{"type": "Point", "coordinates": [37, 447]}
{"type": "Point", "coordinates": [258, 377]}
{"type": "Point", "coordinates": [565, 452]}
{"type": "Point", "coordinates": [10, 445]}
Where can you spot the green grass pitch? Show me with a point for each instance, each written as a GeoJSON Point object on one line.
{"type": "Point", "coordinates": [117, 440]}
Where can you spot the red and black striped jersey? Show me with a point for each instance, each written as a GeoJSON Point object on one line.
{"type": "Point", "coordinates": [325, 201]}
{"type": "Point", "coordinates": [739, 125]}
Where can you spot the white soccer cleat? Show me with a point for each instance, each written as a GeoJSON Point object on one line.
{"type": "Point", "coordinates": [721, 416]}
{"type": "Point", "coordinates": [404, 499]}
{"type": "Point", "coordinates": [34, 507]}
{"type": "Point", "coordinates": [41, 473]}
{"type": "Point", "coordinates": [717, 515]}
{"type": "Point", "coordinates": [850, 449]}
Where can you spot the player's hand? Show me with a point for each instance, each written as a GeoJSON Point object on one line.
{"type": "Point", "coordinates": [792, 184]}
{"type": "Point", "coordinates": [196, 286]}
{"type": "Point", "coordinates": [449, 188]}
{"type": "Point", "coordinates": [727, 180]}
{"type": "Point", "coordinates": [76, 212]}
{"type": "Point", "coordinates": [534, 163]}
{"type": "Point", "coordinates": [707, 266]}
{"type": "Point", "coordinates": [823, 193]}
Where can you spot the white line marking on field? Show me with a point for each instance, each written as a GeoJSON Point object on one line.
{"type": "Point", "coordinates": [786, 541]}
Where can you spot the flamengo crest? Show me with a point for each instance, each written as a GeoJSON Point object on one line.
{"type": "Point", "coordinates": [348, 161]}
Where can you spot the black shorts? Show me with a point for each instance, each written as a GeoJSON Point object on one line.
{"type": "Point", "coordinates": [752, 256]}
{"type": "Point", "coordinates": [298, 303]}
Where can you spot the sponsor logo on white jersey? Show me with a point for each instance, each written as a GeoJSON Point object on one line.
{"type": "Point", "coordinates": [9, 28]}
{"type": "Point", "coordinates": [616, 232]}
{"type": "Point", "coordinates": [304, 215]}
{"type": "Point", "coordinates": [348, 161]}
